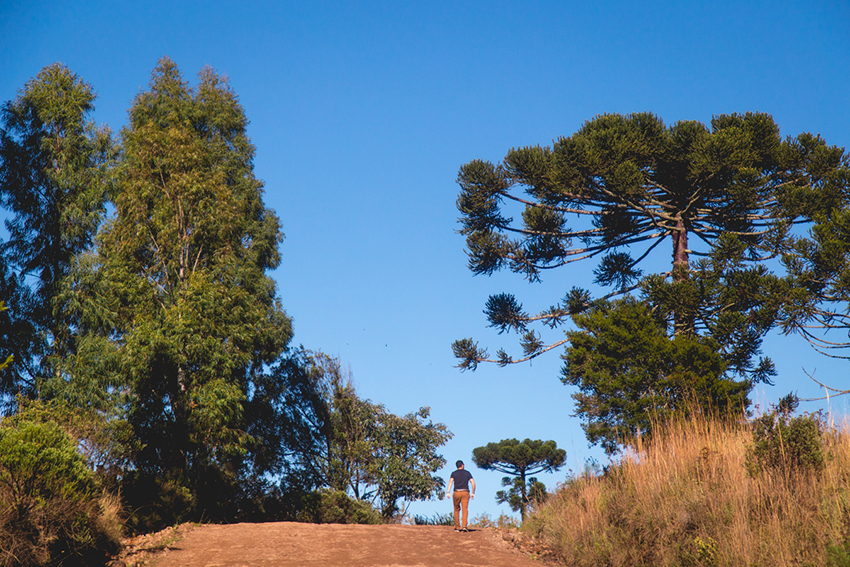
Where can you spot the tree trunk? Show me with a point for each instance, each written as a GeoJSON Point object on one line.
{"type": "Point", "coordinates": [683, 322]}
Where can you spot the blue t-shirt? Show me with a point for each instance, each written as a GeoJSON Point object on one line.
{"type": "Point", "coordinates": [461, 478]}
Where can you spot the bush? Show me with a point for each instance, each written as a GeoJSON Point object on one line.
{"type": "Point", "coordinates": [787, 445]}
{"type": "Point", "coordinates": [436, 520]}
{"type": "Point", "coordinates": [337, 507]}
{"type": "Point", "coordinates": [52, 511]}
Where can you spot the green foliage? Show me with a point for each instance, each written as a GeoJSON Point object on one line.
{"type": "Point", "coordinates": [615, 190]}
{"type": "Point", "coordinates": [106, 443]}
{"type": "Point", "coordinates": [404, 458]}
{"type": "Point", "coordinates": [54, 181]}
{"type": "Point", "coordinates": [838, 555]}
{"type": "Point", "coordinates": [337, 507]}
{"type": "Point", "coordinates": [519, 497]}
{"type": "Point", "coordinates": [819, 269]}
{"type": "Point", "coordinates": [787, 445]}
{"type": "Point", "coordinates": [348, 444]}
{"type": "Point", "coordinates": [51, 509]}
{"type": "Point", "coordinates": [435, 520]}
{"type": "Point", "coordinates": [631, 375]}
{"type": "Point", "coordinates": [179, 317]}
{"type": "Point", "coordinates": [520, 459]}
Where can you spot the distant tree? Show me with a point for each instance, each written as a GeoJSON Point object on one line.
{"type": "Point", "coordinates": [404, 458]}
{"type": "Point", "coordinates": [177, 302]}
{"type": "Point", "coordinates": [347, 444]}
{"type": "Point", "coordinates": [322, 423]}
{"type": "Point", "coordinates": [534, 489]}
{"type": "Point", "coordinates": [519, 459]}
{"type": "Point", "coordinates": [727, 194]}
{"type": "Point", "coordinates": [630, 375]}
{"type": "Point", "coordinates": [54, 181]}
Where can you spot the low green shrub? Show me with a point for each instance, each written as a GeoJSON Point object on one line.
{"type": "Point", "coordinates": [336, 507]}
{"type": "Point", "coordinates": [787, 444]}
{"type": "Point", "coordinates": [436, 520]}
{"type": "Point", "coordinates": [52, 511]}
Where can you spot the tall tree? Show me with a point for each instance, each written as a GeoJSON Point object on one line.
{"type": "Point", "coordinates": [182, 270]}
{"type": "Point", "coordinates": [54, 180]}
{"type": "Point", "coordinates": [630, 183]}
{"type": "Point", "coordinates": [519, 459]}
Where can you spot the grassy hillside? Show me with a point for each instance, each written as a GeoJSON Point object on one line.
{"type": "Point", "coordinates": [708, 493]}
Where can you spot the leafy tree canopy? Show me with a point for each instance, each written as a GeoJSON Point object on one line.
{"type": "Point", "coordinates": [176, 308]}
{"type": "Point", "coordinates": [348, 444]}
{"type": "Point", "coordinates": [54, 180]}
{"type": "Point", "coordinates": [818, 305]}
{"type": "Point", "coordinates": [724, 197]}
{"type": "Point", "coordinates": [630, 375]}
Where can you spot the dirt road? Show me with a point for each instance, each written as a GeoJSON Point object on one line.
{"type": "Point", "coordinates": [334, 545]}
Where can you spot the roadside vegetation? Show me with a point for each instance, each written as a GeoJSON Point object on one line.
{"type": "Point", "coordinates": [149, 378]}
{"type": "Point", "coordinates": [709, 492]}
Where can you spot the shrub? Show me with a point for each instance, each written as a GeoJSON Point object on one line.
{"type": "Point", "coordinates": [502, 522]}
{"type": "Point", "coordinates": [337, 507]}
{"type": "Point", "coordinates": [52, 511]}
{"type": "Point", "coordinates": [436, 520]}
{"type": "Point", "coordinates": [787, 445]}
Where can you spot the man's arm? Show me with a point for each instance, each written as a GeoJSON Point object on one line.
{"type": "Point", "coordinates": [472, 486]}
{"type": "Point", "coordinates": [449, 488]}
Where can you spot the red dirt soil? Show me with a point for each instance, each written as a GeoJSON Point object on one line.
{"type": "Point", "coordinates": [286, 544]}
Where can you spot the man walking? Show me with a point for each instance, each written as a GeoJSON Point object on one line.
{"type": "Point", "coordinates": [462, 482]}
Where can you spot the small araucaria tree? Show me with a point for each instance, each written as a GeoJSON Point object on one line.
{"type": "Point", "coordinates": [521, 460]}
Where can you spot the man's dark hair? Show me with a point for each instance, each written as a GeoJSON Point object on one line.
{"type": "Point", "coordinates": [459, 464]}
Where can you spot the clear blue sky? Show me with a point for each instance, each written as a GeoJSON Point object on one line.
{"type": "Point", "coordinates": [362, 113]}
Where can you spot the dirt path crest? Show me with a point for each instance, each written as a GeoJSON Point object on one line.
{"type": "Point", "coordinates": [290, 544]}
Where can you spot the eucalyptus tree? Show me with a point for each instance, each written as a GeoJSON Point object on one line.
{"type": "Point", "coordinates": [189, 317]}
{"type": "Point", "coordinates": [616, 190]}
{"type": "Point", "coordinates": [54, 180]}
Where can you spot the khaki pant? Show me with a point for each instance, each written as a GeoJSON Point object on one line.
{"type": "Point", "coordinates": [460, 499]}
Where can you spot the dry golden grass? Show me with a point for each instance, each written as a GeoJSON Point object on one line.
{"type": "Point", "coordinates": [687, 499]}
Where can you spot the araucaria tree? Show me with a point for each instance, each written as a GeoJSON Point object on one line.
{"type": "Point", "coordinates": [54, 180]}
{"type": "Point", "coordinates": [193, 316]}
{"type": "Point", "coordinates": [618, 189]}
{"type": "Point", "coordinates": [519, 459]}
{"type": "Point", "coordinates": [819, 263]}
